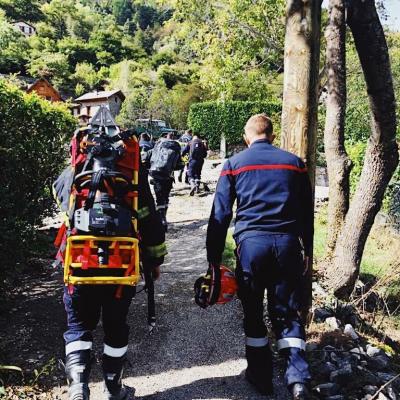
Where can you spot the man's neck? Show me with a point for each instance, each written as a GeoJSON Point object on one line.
{"type": "Point", "coordinates": [256, 138]}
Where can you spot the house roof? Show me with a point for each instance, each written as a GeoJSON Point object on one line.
{"type": "Point", "coordinates": [32, 86]}
{"type": "Point", "coordinates": [24, 22]}
{"type": "Point", "coordinates": [100, 95]}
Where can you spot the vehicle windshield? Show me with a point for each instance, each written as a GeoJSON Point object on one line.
{"type": "Point", "coordinates": [154, 122]}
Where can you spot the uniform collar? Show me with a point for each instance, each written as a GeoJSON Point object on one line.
{"type": "Point", "coordinates": [260, 141]}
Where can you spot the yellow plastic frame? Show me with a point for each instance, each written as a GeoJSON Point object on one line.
{"type": "Point", "coordinates": [132, 279]}
{"type": "Point", "coordinates": [70, 279]}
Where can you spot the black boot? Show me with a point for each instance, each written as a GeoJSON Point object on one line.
{"type": "Point", "coordinates": [112, 371]}
{"type": "Point", "coordinates": [299, 391]}
{"type": "Point", "coordinates": [259, 370]}
{"type": "Point", "coordinates": [77, 368]}
{"type": "Point", "coordinates": [192, 187]}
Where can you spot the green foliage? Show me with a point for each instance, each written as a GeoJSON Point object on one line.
{"type": "Point", "coordinates": [356, 153]}
{"type": "Point", "coordinates": [53, 66]}
{"type": "Point", "coordinates": [13, 48]}
{"type": "Point", "coordinates": [33, 134]}
{"type": "Point", "coordinates": [234, 39]}
{"type": "Point", "coordinates": [213, 119]}
{"type": "Point", "coordinates": [122, 10]}
{"type": "Point", "coordinates": [28, 10]}
{"type": "Point", "coordinates": [88, 78]}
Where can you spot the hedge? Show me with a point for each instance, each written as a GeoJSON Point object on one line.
{"type": "Point", "coordinates": [212, 119]}
{"type": "Point", "coordinates": [33, 134]}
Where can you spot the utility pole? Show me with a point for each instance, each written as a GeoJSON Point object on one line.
{"type": "Point", "coordinates": [300, 90]}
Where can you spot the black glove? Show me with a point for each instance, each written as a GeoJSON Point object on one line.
{"type": "Point", "coordinates": [207, 287]}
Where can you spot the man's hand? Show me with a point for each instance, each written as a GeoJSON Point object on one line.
{"type": "Point", "coordinates": [156, 273]}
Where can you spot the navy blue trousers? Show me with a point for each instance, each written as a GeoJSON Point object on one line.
{"type": "Point", "coordinates": [273, 262]}
{"type": "Point", "coordinates": [85, 306]}
{"type": "Point", "coordinates": [194, 169]}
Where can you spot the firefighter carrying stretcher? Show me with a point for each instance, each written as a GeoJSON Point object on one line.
{"type": "Point", "coordinates": [110, 219]}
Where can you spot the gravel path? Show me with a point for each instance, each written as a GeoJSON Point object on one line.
{"type": "Point", "coordinates": [193, 353]}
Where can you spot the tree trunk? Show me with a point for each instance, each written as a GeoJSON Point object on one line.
{"type": "Point", "coordinates": [381, 156]}
{"type": "Point", "coordinates": [300, 89]}
{"type": "Point", "coordinates": [338, 163]}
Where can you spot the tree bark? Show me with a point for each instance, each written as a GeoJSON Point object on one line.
{"type": "Point", "coordinates": [381, 156]}
{"type": "Point", "coordinates": [300, 89]}
{"type": "Point", "coordinates": [338, 163]}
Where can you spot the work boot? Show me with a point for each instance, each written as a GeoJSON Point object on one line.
{"type": "Point", "coordinates": [112, 371]}
{"type": "Point", "coordinates": [259, 370]}
{"type": "Point", "coordinates": [192, 187]}
{"type": "Point", "coordinates": [197, 183]}
{"type": "Point", "coordinates": [77, 368]}
{"type": "Point", "coordinates": [299, 391]}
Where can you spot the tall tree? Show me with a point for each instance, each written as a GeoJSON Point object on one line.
{"type": "Point", "coordinates": [381, 156]}
{"type": "Point", "coordinates": [300, 95]}
{"type": "Point", "coordinates": [338, 162]}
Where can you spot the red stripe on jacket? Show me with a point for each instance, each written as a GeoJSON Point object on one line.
{"type": "Point", "coordinates": [262, 167]}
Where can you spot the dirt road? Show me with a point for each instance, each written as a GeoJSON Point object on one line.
{"type": "Point", "coordinates": [193, 353]}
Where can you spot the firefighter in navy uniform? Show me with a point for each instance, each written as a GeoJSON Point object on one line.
{"type": "Point", "coordinates": [87, 302]}
{"type": "Point", "coordinates": [197, 151]}
{"type": "Point", "coordinates": [273, 233]}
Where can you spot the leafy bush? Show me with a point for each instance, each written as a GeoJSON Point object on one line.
{"type": "Point", "coordinates": [213, 119]}
{"type": "Point", "coordinates": [391, 201]}
{"type": "Point", "coordinates": [33, 134]}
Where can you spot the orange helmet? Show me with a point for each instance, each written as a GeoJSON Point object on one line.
{"type": "Point", "coordinates": [218, 286]}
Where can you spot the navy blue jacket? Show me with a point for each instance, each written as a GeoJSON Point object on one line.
{"type": "Point", "coordinates": [273, 194]}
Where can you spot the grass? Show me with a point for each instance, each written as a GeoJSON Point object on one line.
{"type": "Point", "coordinates": [228, 257]}
{"type": "Point", "coordinates": [379, 254]}
{"type": "Point", "coordinates": [378, 257]}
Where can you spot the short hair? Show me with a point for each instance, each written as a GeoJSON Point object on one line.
{"type": "Point", "coordinates": [145, 136]}
{"type": "Point", "coordinates": [259, 124]}
{"type": "Point", "coordinates": [189, 131]}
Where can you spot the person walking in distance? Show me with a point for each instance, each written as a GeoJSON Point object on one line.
{"type": "Point", "coordinates": [197, 151]}
{"type": "Point", "coordinates": [183, 141]}
{"type": "Point", "coordinates": [165, 159]}
{"type": "Point", "coordinates": [273, 234]}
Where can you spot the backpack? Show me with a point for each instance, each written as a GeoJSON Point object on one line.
{"type": "Point", "coordinates": [145, 155]}
{"type": "Point", "coordinates": [164, 157]}
{"type": "Point", "coordinates": [197, 150]}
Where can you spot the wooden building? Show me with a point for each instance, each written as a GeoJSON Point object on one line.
{"type": "Point", "coordinates": [44, 89]}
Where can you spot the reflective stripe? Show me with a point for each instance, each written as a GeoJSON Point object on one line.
{"type": "Point", "coordinates": [77, 345]}
{"type": "Point", "coordinates": [158, 250]}
{"type": "Point", "coordinates": [291, 342]}
{"type": "Point", "coordinates": [115, 352]}
{"type": "Point", "coordinates": [161, 207]}
{"type": "Point", "coordinates": [143, 212]}
{"type": "Point", "coordinates": [261, 167]}
{"type": "Point", "coordinates": [256, 342]}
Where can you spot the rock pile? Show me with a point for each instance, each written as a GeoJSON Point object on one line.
{"type": "Point", "coordinates": [345, 366]}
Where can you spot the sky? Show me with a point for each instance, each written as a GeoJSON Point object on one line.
{"type": "Point", "coordinates": [393, 11]}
